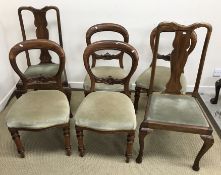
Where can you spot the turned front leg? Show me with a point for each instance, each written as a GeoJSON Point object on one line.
{"type": "Point", "coordinates": [80, 135]}
{"type": "Point", "coordinates": [130, 141]}
{"type": "Point", "coordinates": [208, 142]}
{"type": "Point", "coordinates": [67, 141]}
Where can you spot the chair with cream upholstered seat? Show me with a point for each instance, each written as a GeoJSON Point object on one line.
{"type": "Point", "coordinates": [114, 71]}
{"type": "Point", "coordinates": [171, 109]}
{"type": "Point", "coordinates": [106, 111]}
{"type": "Point", "coordinates": [162, 73]}
{"type": "Point", "coordinates": [46, 67]}
{"type": "Point", "coordinates": [45, 107]}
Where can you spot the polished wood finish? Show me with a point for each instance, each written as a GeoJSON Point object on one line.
{"type": "Point", "coordinates": [104, 27]}
{"type": "Point", "coordinates": [42, 32]}
{"type": "Point", "coordinates": [109, 45]}
{"type": "Point", "coordinates": [39, 83]}
{"type": "Point", "coordinates": [189, 49]}
{"type": "Point", "coordinates": [178, 60]}
{"type": "Point", "coordinates": [217, 89]}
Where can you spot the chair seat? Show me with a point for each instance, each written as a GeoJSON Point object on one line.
{"type": "Point", "coordinates": [176, 109]}
{"type": "Point", "coordinates": [162, 75]}
{"type": "Point", "coordinates": [106, 111]}
{"type": "Point", "coordinates": [46, 70]}
{"type": "Point", "coordinates": [105, 71]}
{"type": "Point", "coordinates": [39, 109]}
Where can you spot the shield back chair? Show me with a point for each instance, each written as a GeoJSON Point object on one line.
{"type": "Point", "coordinates": [106, 111]}
{"type": "Point", "coordinates": [170, 109]}
{"type": "Point", "coordinates": [162, 74]}
{"type": "Point", "coordinates": [44, 108]}
{"type": "Point", "coordinates": [46, 66]}
{"type": "Point", "coordinates": [116, 72]}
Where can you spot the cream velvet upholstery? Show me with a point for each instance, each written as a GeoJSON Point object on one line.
{"type": "Point", "coordinates": [162, 75]}
{"type": "Point", "coordinates": [178, 109]}
{"type": "Point", "coordinates": [105, 71]}
{"type": "Point", "coordinates": [39, 109]}
{"type": "Point", "coordinates": [106, 111]}
{"type": "Point", "coordinates": [46, 70]}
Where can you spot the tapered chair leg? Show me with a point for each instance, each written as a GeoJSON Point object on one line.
{"type": "Point", "coordinates": [130, 141]}
{"type": "Point", "coordinates": [136, 98]}
{"type": "Point", "coordinates": [67, 141]}
{"type": "Point", "coordinates": [217, 88]}
{"type": "Point", "coordinates": [17, 140]}
{"type": "Point", "coordinates": [142, 133]}
{"type": "Point", "coordinates": [80, 135]}
{"type": "Point", "coordinates": [208, 142]}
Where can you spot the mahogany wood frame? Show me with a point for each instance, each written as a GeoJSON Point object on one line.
{"type": "Point", "coordinates": [178, 60]}
{"type": "Point", "coordinates": [111, 27]}
{"type": "Point", "coordinates": [39, 83]}
{"type": "Point", "coordinates": [138, 89]}
{"type": "Point", "coordinates": [42, 32]}
{"type": "Point", "coordinates": [109, 45]}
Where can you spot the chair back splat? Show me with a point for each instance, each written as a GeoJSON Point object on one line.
{"type": "Point", "coordinates": [183, 44]}
{"type": "Point", "coordinates": [39, 81]}
{"type": "Point", "coordinates": [111, 45]}
{"type": "Point", "coordinates": [111, 27]}
{"type": "Point", "coordinates": [42, 32]}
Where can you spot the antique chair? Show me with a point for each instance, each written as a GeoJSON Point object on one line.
{"type": "Point", "coordinates": [217, 90]}
{"type": "Point", "coordinates": [105, 111]}
{"type": "Point", "coordinates": [162, 74]}
{"type": "Point", "coordinates": [44, 108]}
{"type": "Point", "coordinates": [116, 72]}
{"type": "Point", "coordinates": [170, 109]}
{"type": "Point", "coordinates": [46, 66]}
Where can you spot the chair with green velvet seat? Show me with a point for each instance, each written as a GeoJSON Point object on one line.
{"type": "Point", "coordinates": [47, 106]}
{"type": "Point", "coordinates": [107, 111]}
{"type": "Point", "coordinates": [114, 71]}
{"type": "Point", "coordinates": [171, 109]}
{"type": "Point", "coordinates": [46, 67]}
{"type": "Point", "coordinates": [162, 73]}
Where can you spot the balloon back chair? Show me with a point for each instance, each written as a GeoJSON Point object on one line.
{"type": "Point", "coordinates": [46, 66]}
{"type": "Point", "coordinates": [170, 109]}
{"type": "Point", "coordinates": [106, 111]}
{"type": "Point", "coordinates": [114, 71]}
{"type": "Point", "coordinates": [162, 73]}
{"type": "Point", "coordinates": [44, 108]}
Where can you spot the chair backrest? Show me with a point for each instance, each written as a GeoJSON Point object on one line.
{"type": "Point", "coordinates": [193, 39]}
{"type": "Point", "coordinates": [39, 81]}
{"type": "Point", "coordinates": [42, 32]}
{"type": "Point", "coordinates": [112, 28]}
{"type": "Point", "coordinates": [182, 46]}
{"type": "Point", "coordinates": [111, 45]}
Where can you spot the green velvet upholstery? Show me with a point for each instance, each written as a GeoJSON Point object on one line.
{"type": "Point", "coordinates": [39, 109]}
{"type": "Point", "coordinates": [46, 70]}
{"type": "Point", "coordinates": [162, 75]}
{"type": "Point", "coordinates": [106, 111]}
{"type": "Point", "coordinates": [105, 71]}
{"type": "Point", "coordinates": [178, 109]}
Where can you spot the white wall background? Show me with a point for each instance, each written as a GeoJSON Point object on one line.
{"type": "Point", "coordinates": [138, 17]}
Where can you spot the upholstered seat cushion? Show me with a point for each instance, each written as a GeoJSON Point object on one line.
{"type": "Point", "coordinates": [39, 109]}
{"type": "Point", "coordinates": [178, 109]}
{"type": "Point", "coordinates": [46, 70]}
{"type": "Point", "coordinates": [105, 71]}
{"type": "Point", "coordinates": [162, 75]}
{"type": "Point", "coordinates": [106, 111]}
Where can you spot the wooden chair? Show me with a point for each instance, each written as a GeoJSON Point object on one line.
{"type": "Point", "coordinates": [46, 66]}
{"type": "Point", "coordinates": [116, 72]}
{"type": "Point", "coordinates": [44, 108]}
{"type": "Point", "coordinates": [105, 111]}
{"type": "Point", "coordinates": [162, 74]}
{"type": "Point", "coordinates": [171, 110]}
